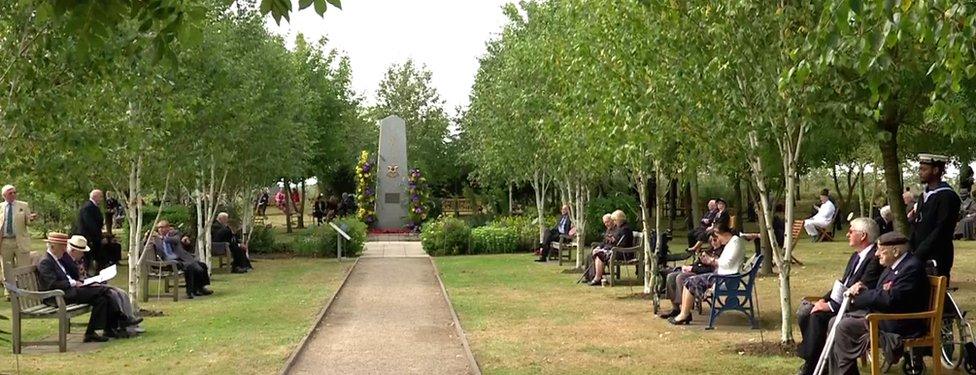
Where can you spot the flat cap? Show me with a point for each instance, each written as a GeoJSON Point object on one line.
{"type": "Point", "coordinates": [892, 238]}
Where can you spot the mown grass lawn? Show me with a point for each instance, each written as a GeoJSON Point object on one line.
{"type": "Point", "coordinates": [250, 325]}
{"type": "Point", "coordinates": [523, 317]}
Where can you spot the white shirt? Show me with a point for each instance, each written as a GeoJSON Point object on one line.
{"type": "Point", "coordinates": [58, 262]}
{"type": "Point", "coordinates": [894, 265]}
{"type": "Point", "coordinates": [860, 261]}
{"type": "Point", "coordinates": [826, 211]}
{"type": "Point", "coordinates": [733, 255]}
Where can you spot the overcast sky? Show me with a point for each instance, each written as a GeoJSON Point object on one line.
{"type": "Point", "coordinates": [447, 36]}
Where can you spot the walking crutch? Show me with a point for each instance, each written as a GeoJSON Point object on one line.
{"type": "Point", "coordinates": [822, 361]}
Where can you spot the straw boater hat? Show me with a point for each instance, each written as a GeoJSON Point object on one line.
{"type": "Point", "coordinates": [57, 238]}
{"type": "Point", "coordinates": [78, 243]}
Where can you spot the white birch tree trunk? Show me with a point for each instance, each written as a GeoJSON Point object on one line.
{"type": "Point", "coordinates": [135, 230]}
{"type": "Point", "coordinates": [539, 185]}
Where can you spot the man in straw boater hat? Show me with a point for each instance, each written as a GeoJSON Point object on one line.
{"type": "Point", "coordinates": [936, 215]}
{"type": "Point", "coordinates": [74, 263]}
{"type": "Point", "coordinates": [902, 288]}
{"type": "Point", "coordinates": [105, 314]}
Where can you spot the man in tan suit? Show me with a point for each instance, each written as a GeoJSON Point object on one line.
{"type": "Point", "coordinates": [14, 239]}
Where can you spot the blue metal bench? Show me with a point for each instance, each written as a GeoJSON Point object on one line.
{"type": "Point", "coordinates": [734, 293]}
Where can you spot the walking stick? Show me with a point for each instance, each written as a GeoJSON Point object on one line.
{"type": "Point", "coordinates": [822, 362]}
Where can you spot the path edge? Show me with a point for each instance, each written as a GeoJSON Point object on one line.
{"type": "Point", "coordinates": [318, 320]}
{"type": "Point", "coordinates": [472, 362]}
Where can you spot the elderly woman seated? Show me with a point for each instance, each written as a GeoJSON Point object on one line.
{"type": "Point", "coordinates": [622, 236]}
{"type": "Point", "coordinates": [676, 279]}
{"type": "Point", "coordinates": [730, 262]}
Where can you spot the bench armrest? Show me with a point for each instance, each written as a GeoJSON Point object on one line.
{"type": "Point", "coordinates": [159, 263]}
{"type": "Point", "coordinates": [877, 317]}
{"type": "Point", "coordinates": [27, 293]}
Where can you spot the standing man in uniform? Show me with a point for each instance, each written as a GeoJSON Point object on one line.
{"type": "Point", "coordinates": [14, 239]}
{"type": "Point", "coordinates": [936, 215]}
{"type": "Point", "coordinates": [90, 223]}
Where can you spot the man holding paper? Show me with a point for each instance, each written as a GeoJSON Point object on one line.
{"type": "Point", "coordinates": [74, 264]}
{"type": "Point", "coordinates": [52, 275]}
{"type": "Point", "coordinates": [814, 317]}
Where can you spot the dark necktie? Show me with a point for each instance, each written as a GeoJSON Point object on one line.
{"type": "Point", "coordinates": [851, 266]}
{"type": "Point", "coordinates": [8, 229]}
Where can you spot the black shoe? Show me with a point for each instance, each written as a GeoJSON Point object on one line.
{"type": "Point", "coordinates": [189, 294]}
{"type": "Point", "coordinates": [674, 320]}
{"type": "Point", "coordinates": [131, 322]}
{"type": "Point", "coordinates": [669, 314]}
{"type": "Point", "coordinates": [806, 368]}
{"type": "Point", "coordinates": [94, 337]}
{"type": "Point", "coordinates": [594, 282]}
{"type": "Point", "coordinates": [204, 292]}
{"type": "Point", "coordinates": [117, 333]}
{"type": "Point", "coordinates": [540, 260]}
{"type": "Point", "coordinates": [238, 270]}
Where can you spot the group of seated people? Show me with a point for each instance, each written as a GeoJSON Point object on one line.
{"type": "Point", "coordinates": [883, 276]}
{"type": "Point", "coordinates": [618, 234]}
{"type": "Point", "coordinates": [63, 267]}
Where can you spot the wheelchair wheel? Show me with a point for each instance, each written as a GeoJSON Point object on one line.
{"type": "Point", "coordinates": [952, 350]}
{"type": "Point", "coordinates": [970, 367]}
{"type": "Point", "coordinates": [913, 365]}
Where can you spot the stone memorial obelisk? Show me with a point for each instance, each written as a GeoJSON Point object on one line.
{"type": "Point", "coordinates": [391, 212]}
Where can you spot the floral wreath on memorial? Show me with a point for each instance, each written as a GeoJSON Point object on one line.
{"type": "Point", "coordinates": [366, 189]}
{"type": "Point", "coordinates": [419, 194]}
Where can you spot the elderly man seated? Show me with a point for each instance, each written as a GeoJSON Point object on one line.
{"type": "Point", "coordinates": [105, 314]}
{"type": "Point", "coordinates": [965, 228]}
{"type": "Point", "coordinates": [902, 288]}
{"type": "Point", "coordinates": [824, 217]}
{"type": "Point", "coordinates": [74, 264]}
{"type": "Point", "coordinates": [167, 243]}
{"type": "Point", "coordinates": [700, 232]}
{"type": "Point", "coordinates": [223, 233]}
{"type": "Point", "coordinates": [863, 267]}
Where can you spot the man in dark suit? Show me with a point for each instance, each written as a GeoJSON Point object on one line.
{"type": "Point", "coordinates": [562, 228]}
{"type": "Point", "coordinates": [814, 317]}
{"type": "Point", "coordinates": [167, 244]}
{"type": "Point", "coordinates": [936, 215]}
{"type": "Point", "coordinates": [90, 223]}
{"type": "Point", "coordinates": [105, 314]}
{"type": "Point", "coordinates": [902, 288]}
{"type": "Point", "coordinates": [223, 233]}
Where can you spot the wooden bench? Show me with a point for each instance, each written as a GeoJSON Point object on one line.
{"type": "Point", "coordinates": [617, 260]}
{"type": "Point", "coordinates": [221, 251]}
{"type": "Point", "coordinates": [26, 302]}
{"type": "Point", "coordinates": [564, 247]}
{"type": "Point", "coordinates": [932, 339]}
{"type": "Point", "coordinates": [166, 271]}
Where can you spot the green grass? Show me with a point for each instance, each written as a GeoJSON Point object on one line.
{"type": "Point", "coordinates": [249, 326]}
{"type": "Point", "coordinates": [522, 317]}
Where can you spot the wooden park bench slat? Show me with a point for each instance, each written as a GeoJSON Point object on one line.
{"type": "Point", "coordinates": [26, 302]}
{"type": "Point", "coordinates": [163, 270]}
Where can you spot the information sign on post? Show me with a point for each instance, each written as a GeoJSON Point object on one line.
{"type": "Point", "coordinates": [342, 234]}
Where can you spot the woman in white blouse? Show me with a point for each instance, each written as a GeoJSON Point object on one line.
{"type": "Point", "coordinates": [729, 263]}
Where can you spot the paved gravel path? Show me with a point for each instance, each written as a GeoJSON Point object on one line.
{"type": "Point", "coordinates": [391, 317]}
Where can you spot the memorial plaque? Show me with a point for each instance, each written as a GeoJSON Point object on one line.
{"type": "Point", "coordinates": [392, 160]}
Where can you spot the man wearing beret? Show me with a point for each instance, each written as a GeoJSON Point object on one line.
{"type": "Point", "coordinates": [936, 215]}
{"type": "Point", "coordinates": [863, 268]}
{"type": "Point", "coordinates": [902, 288]}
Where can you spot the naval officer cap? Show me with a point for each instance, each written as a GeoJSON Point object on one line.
{"type": "Point", "coordinates": [933, 159]}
